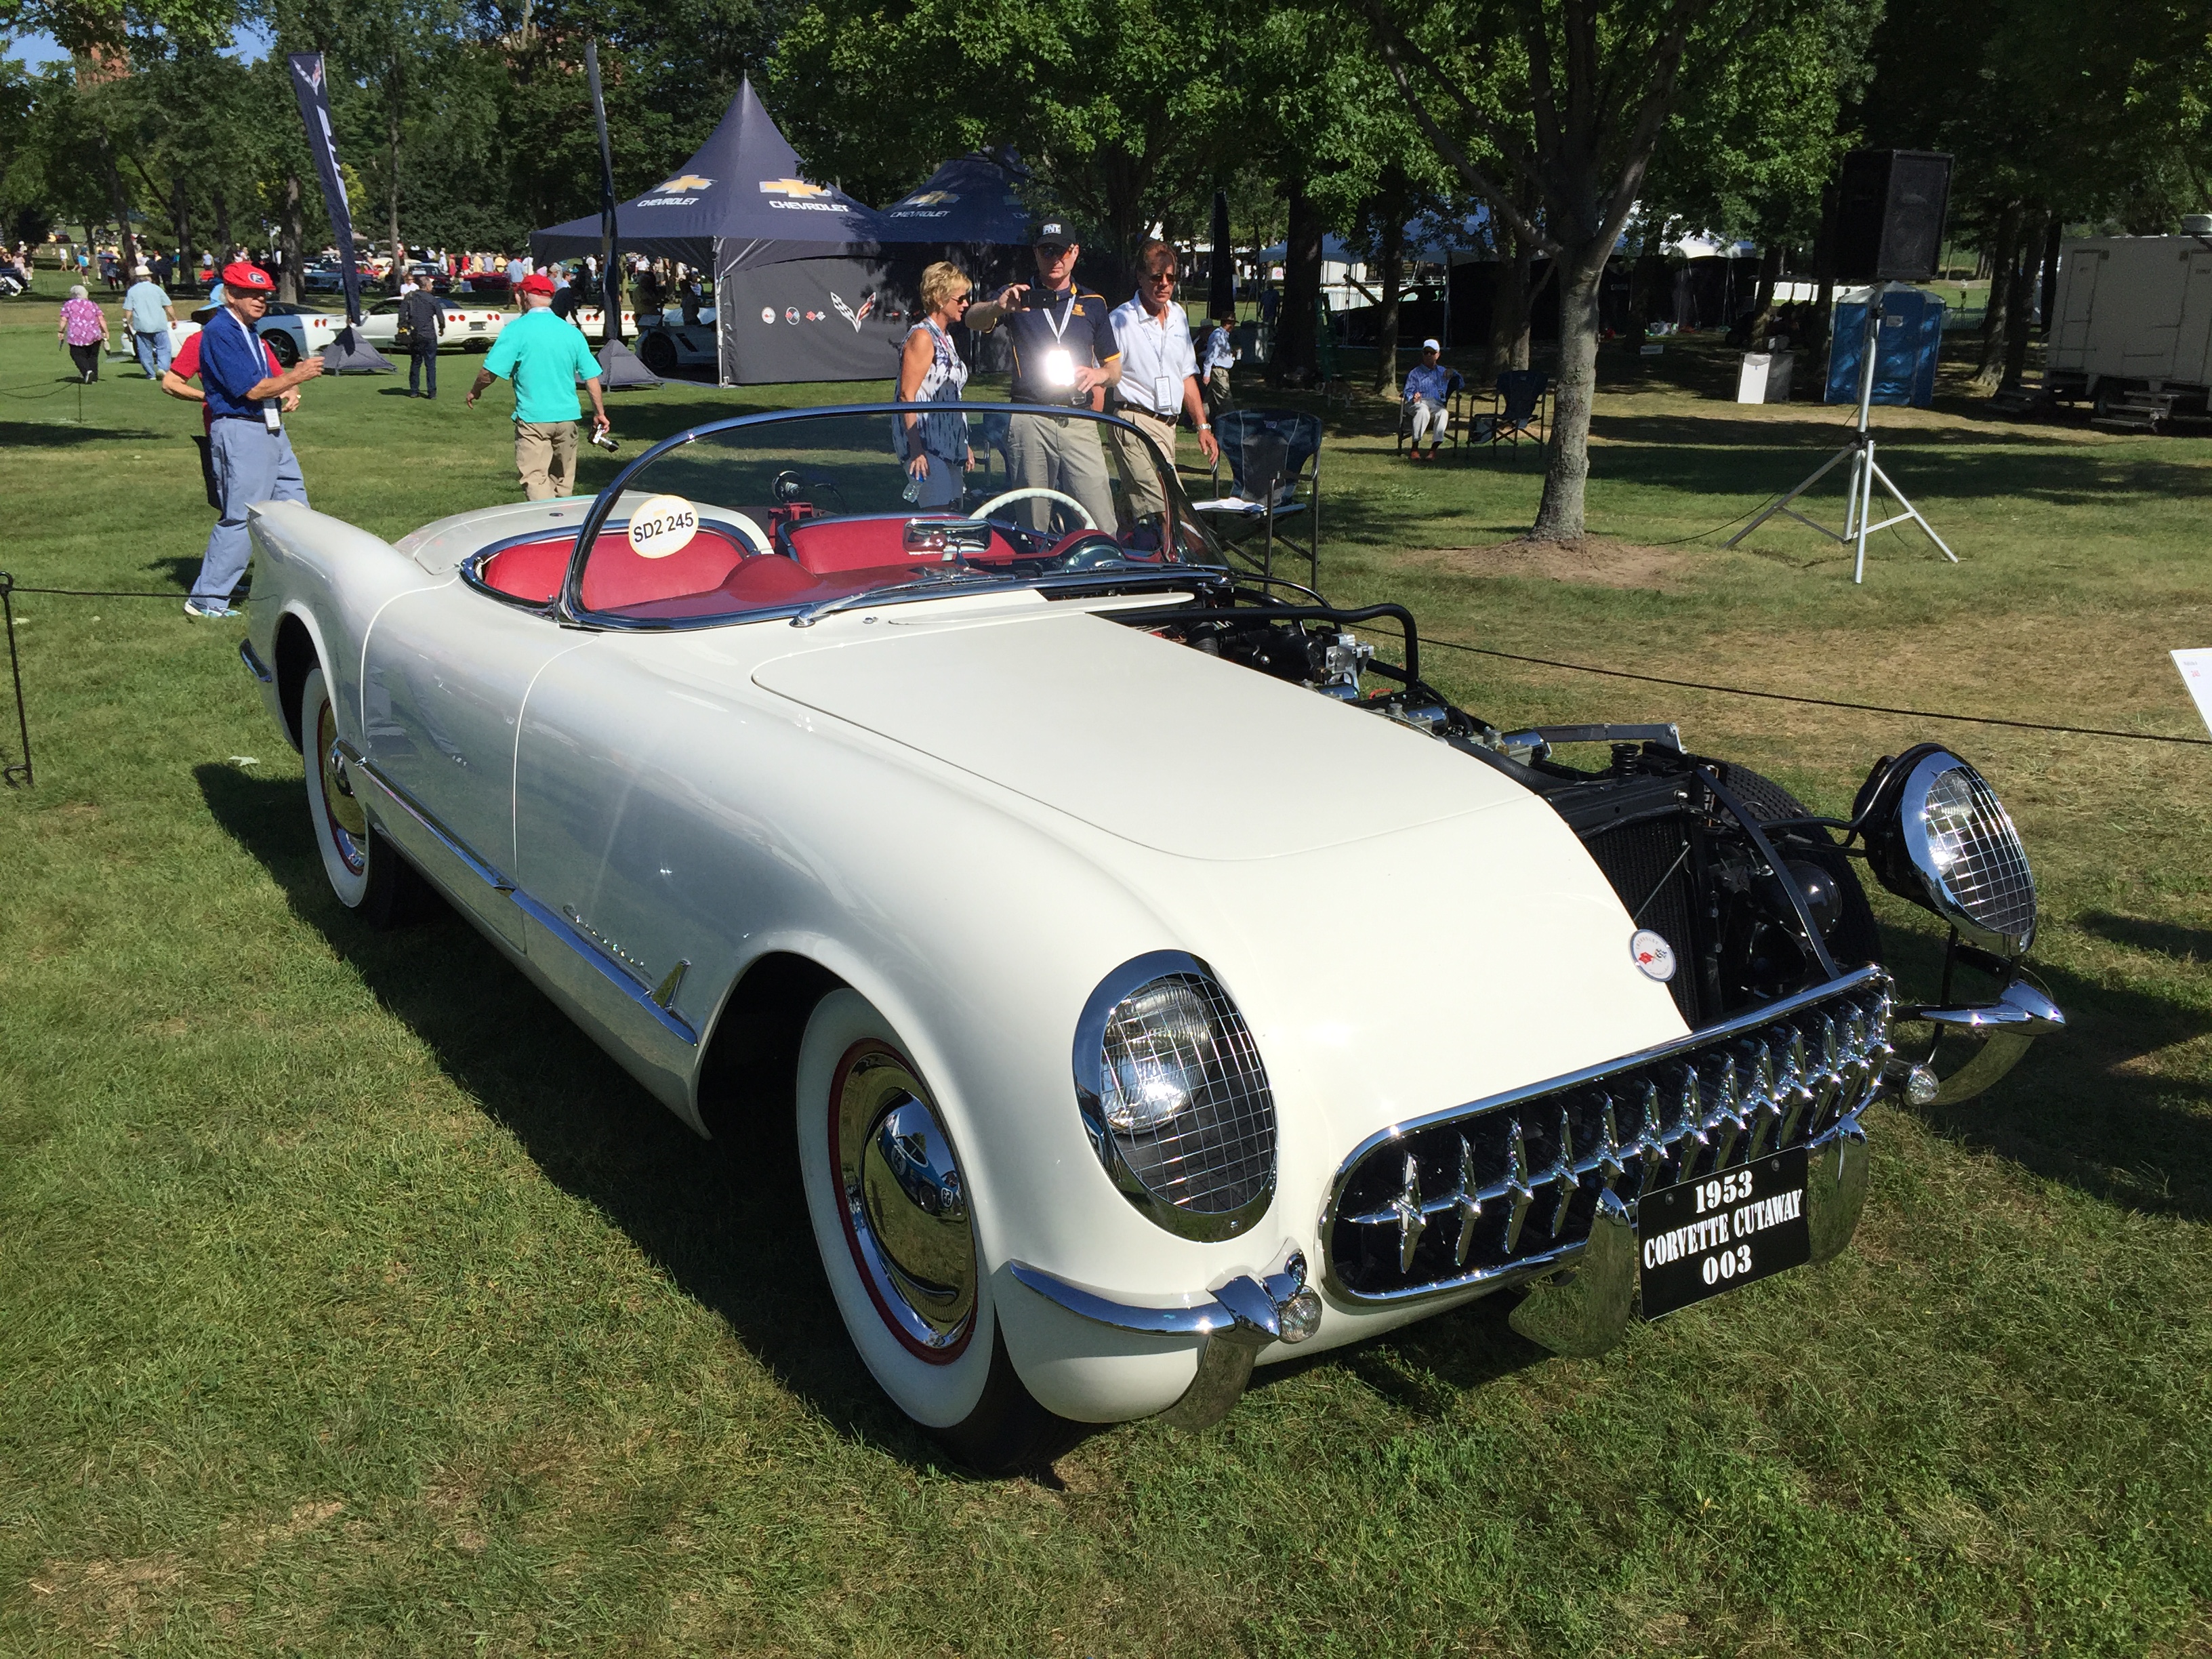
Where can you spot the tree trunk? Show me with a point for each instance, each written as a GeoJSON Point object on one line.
{"type": "Point", "coordinates": [1393, 260]}
{"type": "Point", "coordinates": [392, 194]}
{"type": "Point", "coordinates": [1296, 361]}
{"type": "Point", "coordinates": [289, 232]}
{"type": "Point", "coordinates": [2016, 308]}
{"type": "Point", "coordinates": [2001, 252]}
{"type": "Point", "coordinates": [1643, 278]}
{"type": "Point", "coordinates": [1762, 315]}
{"type": "Point", "coordinates": [1509, 312]}
{"type": "Point", "coordinates": [126, 243]}
{"type": "Point", "coordinates": [1824, 276]}
{"type": "Point", "coordinates": [180, 211]}
{"type": "Point", "coordinates": [222, 243]}
{"type": "Point", "coordinates": [2053, 234]}
{"type": "Point", "coordinates": [1566, 470]}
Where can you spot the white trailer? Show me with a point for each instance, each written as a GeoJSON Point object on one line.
{"type": "Point", "coordinates": [2132, 332]}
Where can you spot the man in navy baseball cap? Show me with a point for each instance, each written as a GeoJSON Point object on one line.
{"type": "Point", "coordinates": [1064, 356]}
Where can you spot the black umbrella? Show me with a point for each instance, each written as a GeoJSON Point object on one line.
{"type": "Point", "coordinates": [1221, 291]}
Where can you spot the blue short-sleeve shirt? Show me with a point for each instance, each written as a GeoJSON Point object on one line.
{"type": "Point", "coordinates": [231, 365]}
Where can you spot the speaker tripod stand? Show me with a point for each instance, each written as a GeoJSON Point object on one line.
{"type": "Point", "coordinates": [1858, 510]}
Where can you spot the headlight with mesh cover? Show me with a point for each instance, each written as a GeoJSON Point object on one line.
{"type": "Point", "coordinates": [1937, 834]}
{"type": "Point", "coordinates": [1174, 1099]}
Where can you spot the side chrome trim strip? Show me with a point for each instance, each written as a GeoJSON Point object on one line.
{"type": "Point", "coordinates": [251, 658]}
{"type": "Point", "coordinates": [423, 817]}
{"type": "Point", "coordinates": [616, 974]}
{"type": "Point", "coordinates": [552, 921]}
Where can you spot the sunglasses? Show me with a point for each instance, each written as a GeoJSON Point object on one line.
{"type": "Point", "coordinates": [1167, 277]}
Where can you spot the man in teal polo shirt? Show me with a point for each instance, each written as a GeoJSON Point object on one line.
{"type": "Point", "coordinates": [545, 356]}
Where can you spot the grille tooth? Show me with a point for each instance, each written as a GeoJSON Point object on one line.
{"type": "Point", "coordinates": [1466, 1203]}
{"type": "Point", "coordinates": [1689, 1131]}
{"type": "Point", "coordinates": [1740, 1094]}
{"type": "Point", "coordinates": [1516, 1186]}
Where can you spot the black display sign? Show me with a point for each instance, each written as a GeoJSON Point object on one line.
{"type": "Point", "coordinates": [1707, 1236]}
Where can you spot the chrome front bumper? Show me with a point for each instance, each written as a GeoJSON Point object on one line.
{"type": "Point", "coordinates": [1235, 1323]}
{"type": "Point", "coordinates": [2020, 1014]}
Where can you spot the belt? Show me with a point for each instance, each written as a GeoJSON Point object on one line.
{"type": "Point", "coordinates": [1125, 406]}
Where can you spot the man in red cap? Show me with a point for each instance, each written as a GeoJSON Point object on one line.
{"type": "Point", "coordinates": [252, 458]}
{"type": "Point", "coordinates": [545, 357]}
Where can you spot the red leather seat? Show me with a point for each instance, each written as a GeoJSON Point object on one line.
{"type": "Point", "coordinates": [616, 579]}
{"type": "Point", "coordinates": [530, 570]}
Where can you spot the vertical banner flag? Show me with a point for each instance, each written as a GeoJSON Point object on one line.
{"type": "Point", "coordinates": [315, 110]}
{"type": "Point", "coordinates": [611, 284]}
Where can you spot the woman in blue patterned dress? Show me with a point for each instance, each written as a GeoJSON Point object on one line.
{"type": "Point", "coordinates": [934, 447]}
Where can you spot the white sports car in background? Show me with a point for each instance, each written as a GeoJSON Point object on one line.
{"type": "Point", "coordinates": [469, 325]}
{"type": "Point", "coordinates": [292, 330]}
{"type": "Point", "coordinates": [1159, 981]}
{"type": "Point", "coordinates": [666, 343]}
{"type": "Point", "coordinates": [593, 319]}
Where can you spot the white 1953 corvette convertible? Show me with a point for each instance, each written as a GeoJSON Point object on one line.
{"type": "Point", "coordinates": [1160, 980]}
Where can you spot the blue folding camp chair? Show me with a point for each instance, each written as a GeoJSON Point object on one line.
{"type": "Point", "coordinates": [1266, 451]}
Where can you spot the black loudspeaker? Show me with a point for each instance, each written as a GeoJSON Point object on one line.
{"type": "Point", "coordinates": [1889, 215]}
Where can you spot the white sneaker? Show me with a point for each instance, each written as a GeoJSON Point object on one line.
{"type": "Point", "coordinates": [195, 610]}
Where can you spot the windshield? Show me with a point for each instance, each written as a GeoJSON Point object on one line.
{"type": "Point", "coordinates": [784, 513]}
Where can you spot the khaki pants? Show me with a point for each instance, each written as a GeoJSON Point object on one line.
{"type": "Point", "coordinates": [545, 458]}
{"type": "Point", "coordinates": [1430, 422]}
{"type": "Point", "coordinates": [1217, 397]}
{"type": "Point", "coordinates": [1062, 452]}
{"type": "Point", "coordinates": [1146, 500]}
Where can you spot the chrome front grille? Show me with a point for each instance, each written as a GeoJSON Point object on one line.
{"type": "Point", "coordinates": [1506, 1186]}
{"type": "Point", "coordinates": [1972, 839]}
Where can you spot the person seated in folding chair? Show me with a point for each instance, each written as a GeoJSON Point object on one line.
{"type": "Point", "coordinates": [1064, 356]}
{"type": "Point", "coordinates": [1429, 387]}
{"type": "Point", "coordinates": [1159, 380]}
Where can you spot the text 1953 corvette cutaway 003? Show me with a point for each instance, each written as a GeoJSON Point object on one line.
{"type": "Point", "coordinates": [993, 848]}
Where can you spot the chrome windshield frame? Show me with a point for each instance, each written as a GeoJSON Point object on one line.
{"type": "Point", "coordinates": [569, 608]}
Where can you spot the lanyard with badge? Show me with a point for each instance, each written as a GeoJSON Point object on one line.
{"type": "Point", "coordinates": [268, 404]}
{"type": "Point", "coordinates": [1059, 361]}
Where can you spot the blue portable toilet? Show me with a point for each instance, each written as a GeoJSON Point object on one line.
{"type": "Point", "coordinates": [1912, 339]}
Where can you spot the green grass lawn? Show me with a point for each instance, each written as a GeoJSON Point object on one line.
{"type": "Point", "coordinates": [350, 1303]}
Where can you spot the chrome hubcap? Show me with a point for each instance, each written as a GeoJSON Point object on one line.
{"type": "Point", "coordinates": [349, 823]}
{"type": "Point", "coordinates": [904, 1203]}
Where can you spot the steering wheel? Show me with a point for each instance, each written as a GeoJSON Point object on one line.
{"type": "Point", "coordinates": [1034, 493]}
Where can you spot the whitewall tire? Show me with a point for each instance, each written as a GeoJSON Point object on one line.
{"type": "Point", "coordinates": [366, 872]}
{"type": "Point", "coordinates": [893, 1221]}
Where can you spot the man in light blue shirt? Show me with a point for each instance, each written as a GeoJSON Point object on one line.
{"type": "Point", "coordinates": [1429, 387]}
{"type": "Point", "coordinates": [147, 309]}
{"type": "Point", "coordinates": [545, 357]}
{"type": "Point", "coordinates": [1213, 365]}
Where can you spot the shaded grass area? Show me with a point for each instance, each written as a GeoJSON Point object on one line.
{"type": "Point", "coordinates": [350, 1302]}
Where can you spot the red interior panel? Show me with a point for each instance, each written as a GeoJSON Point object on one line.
{"type": "Point", "coordinates": [828, 545]}
{"type": "Point", "coordinates": [530, 570]}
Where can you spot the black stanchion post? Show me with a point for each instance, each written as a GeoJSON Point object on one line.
{"type": "Point", "coordinates": [16, 776]}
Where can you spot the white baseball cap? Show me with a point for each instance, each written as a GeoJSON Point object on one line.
{"type": "Point", "coordinates": [1431, 345]}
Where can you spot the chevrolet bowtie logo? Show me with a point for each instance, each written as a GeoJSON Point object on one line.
{"type": "Point", "coordinates": [686, 182]}
{"type": "Point", "coordinates": [792, 187]}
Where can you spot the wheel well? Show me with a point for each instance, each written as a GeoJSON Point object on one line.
{"type": "Point", "coordinates": [751, 1067]}
{"type": "Point", "coordinates": [295, 657]}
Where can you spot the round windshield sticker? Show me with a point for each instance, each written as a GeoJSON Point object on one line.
{"type": "Point", "coordinates": [665, 524]}
{"type": "Point", "coordinates": [1652, 953]}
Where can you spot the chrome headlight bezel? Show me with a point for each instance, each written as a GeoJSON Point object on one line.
{"type": "Point", "coordinates": [1917, 858]}
{"type": "Point", "coordinates": [1121, 1154]}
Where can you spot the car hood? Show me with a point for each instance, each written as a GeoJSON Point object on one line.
{"type": "Point", "coordinates": [1140, 737]}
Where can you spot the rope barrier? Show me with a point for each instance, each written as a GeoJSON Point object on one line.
{"type": "Point", "coordinates": [1817, 703]}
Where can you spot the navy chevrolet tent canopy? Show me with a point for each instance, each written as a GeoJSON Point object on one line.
{"type": "Point", "coordinates": [972, 201]}
{"type": "Point", "coordinates": [740, 202]}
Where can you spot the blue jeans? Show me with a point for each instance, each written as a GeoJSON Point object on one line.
{"type": "Point", "coordinates": [251, 465]}
{"type": "Point", "coordinates": [422, 361]}
{"type": "Point", "coordinates": [152, 351]}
